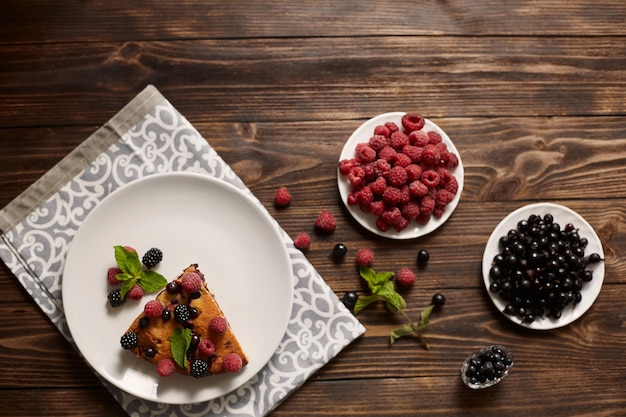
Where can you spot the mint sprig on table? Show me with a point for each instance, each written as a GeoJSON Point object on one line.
{"type": "Point", "coordinates": [382, 289]}
{"type": "Point", "coordinates": [133, 273]}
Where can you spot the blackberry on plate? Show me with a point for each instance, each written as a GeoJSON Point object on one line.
{"type": "Point", "coordinates": [181, 313]}
{"type": "Point", "coordinates": [486, 367]}
{"type": "Point", "coordinates": [129, 340]}
{"type": "Point", "coordinates": [199, 368]}
{"type": "Point", "coordinates": [115, 298]}
{"type": "Point", "coordinates": [152, 258]}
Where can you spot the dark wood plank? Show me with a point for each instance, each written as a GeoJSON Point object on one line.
{"type": "Point", "coordinates": [37, 21]}
{"type": "Point", "coordinates": [305, 79]}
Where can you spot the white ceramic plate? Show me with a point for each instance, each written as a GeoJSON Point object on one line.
{"type": "Point", "coordinates": [362, 135]}
{"type": "Point", "coordinates": [192, 218]}
{"type": "Point", "coordinates": [562, 215]}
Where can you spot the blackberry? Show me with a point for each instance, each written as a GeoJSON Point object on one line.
{"type": "Point", "coordinates": [181, 313]}
{"type": "Point", "coordinates": [152, 258]}
{"type": "Point", "coordinates": [115, 298]}
{"type": "Point", "coordinates": [129, 340]}
{"type": "Point", "coordinates": [199, 368]}
{"type": "Point", "coordinates": [339, 251]}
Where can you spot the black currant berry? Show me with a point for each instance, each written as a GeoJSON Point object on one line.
{"type": "Point", "coordinates": [438, 300]}
{"type": "Point", "coordinates": [422, 257]}
{"type": "Point", "coordinates": [339, 251]}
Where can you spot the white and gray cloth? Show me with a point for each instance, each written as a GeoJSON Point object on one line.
{"type": "Point", "coordinates": [149, 136]}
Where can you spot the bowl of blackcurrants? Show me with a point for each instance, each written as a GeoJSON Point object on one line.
{"type": "Point", "coordinates": [486, 367]}
{"type": "Point", "coordinates": [543, 266]}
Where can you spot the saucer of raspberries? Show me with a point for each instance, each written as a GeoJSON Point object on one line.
{"type": "Point", "coordinates": [400, 176]}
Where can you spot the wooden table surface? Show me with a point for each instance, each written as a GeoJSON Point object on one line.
{"type": "Point", "coordinates": [533, 94]}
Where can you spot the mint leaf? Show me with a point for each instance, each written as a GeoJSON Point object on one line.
{"type": "Point", "coordinates": [127, 285]}
{"type": "Point", "coordinates": [425, 318]}
{"type": "Point", "coordinates": [404, 330]}
{"type": "Point", "coordinates": [363, 302]}
{"type": "Point", "coordinates": [151, 281]}
{"type": "Point", "coordinates": [179, 344]}
{"type": "Point", "coordinates": [375, 280]}
{"type": "Point", "coordinates": [128, 261]}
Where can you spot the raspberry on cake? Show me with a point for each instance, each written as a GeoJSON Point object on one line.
{"type": "Point", "coordinates": [198, 341]}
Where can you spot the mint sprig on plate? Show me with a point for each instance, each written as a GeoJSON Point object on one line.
{"type": "Point", "coordinates": [382, 289]}
{"type": "Point", "coordinates": [133, 273]}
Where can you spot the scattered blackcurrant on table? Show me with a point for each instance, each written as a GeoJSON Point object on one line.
{"type": "Point", "coordinates": [422, 257]}
{"type": "Point", "coordinates": [339, 251]}
{"type": "Point", "coordinates": [438, 300]}
{"type": "Point", "coordinates": [349, 299]}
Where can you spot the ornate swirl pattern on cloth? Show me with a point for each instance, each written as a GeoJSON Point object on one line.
{"type": "Point", "coordinates": [164, 141]}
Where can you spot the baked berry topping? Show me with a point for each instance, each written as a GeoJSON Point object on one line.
{"type": "Point", "coordinates": [199, 368]}
{"type": "Point", "coordinates": [218, 325]}
{"type": "Point", "coordinates": [153, 309]}
{"type": "Point", "coordinates": [181, 313]}
{"type": "Point", "coordinates": [232, 362]}
{"type": "Point", "coordinates": [191, 282]}
{"type": "Point", "coordinates": [166, 367]}
{"type": "Point", "coordinates": [206, 347]}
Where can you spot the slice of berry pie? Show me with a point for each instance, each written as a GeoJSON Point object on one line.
{"type": "Point", "coordinates": [184, 330]}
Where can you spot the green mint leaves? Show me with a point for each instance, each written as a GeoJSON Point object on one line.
{"type": "Point", "coordinates": [382, 288]}
{"type": "Point", "coordinates": [179, 344]}
{"type": "Point", "coordinates": [133, 273]}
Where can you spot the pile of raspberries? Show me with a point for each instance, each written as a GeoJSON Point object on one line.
{"type": "Point", "coordinates": [401, 174]}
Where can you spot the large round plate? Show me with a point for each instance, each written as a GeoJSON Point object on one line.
{"type": "Point", "coordinates": [192, 218]}
{"type": "Point", "coordinates": [562, 215]}
{"type": "Point", "coordinates": [362, 135]}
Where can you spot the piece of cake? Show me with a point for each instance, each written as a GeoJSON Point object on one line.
{"type": "Point", "coordinates": [184, 330]}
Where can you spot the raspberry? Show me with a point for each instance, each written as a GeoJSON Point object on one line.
{"type": "Point", "coordinates": [377, 142]}
{"type": "Point", "coordinates": [382, 130]}
{"type": "Point", "coordinates": [418, 189]}
{"type": "Point", "coordinates": [401, 225]}
{"type": "Point", "coordinates": [427, 205]}
{"type": "Point", "coordinates": [392, 195]}
{"type": "Point", "coordinates": [166, 367]}
{"type": "Point", "coordinates": [392, 127]}
{"type": "Point", "coordinates": [282, 197]}
{"type": "Point", "coordinates": [398, 140]}
{"type": "Point", "coordinates": [431, 155]}
{"type": "Point", "coordinates": [129, 340]}
{"type": "Point", "coordinates": [452, 160]}
{"type": "Point", "coordinates": [130, 249]}
{"type": "Point", "coordinates": [412, 122]}
{"type": "Point", "coordinates": [414, 172]}
{"type": "Point", "coordinates": [388, 154]}
{"type": "Point", "coordinates": [302, 241]}
{"type": "Point", "coordinates": [191, 282]}
{"type": "Point", "coordinates": [405, 277]}
{"type": "Point", "coordinates": [353, 197]}
{"type": "Point", "coordinates": [206, 347]}
{"type": "Point", "coordinates": [365, 154]}
{"type": "Point", "coordinates": [405, 194]}
{"type": "Point", "coordinates": [366, 196]}
{"type": "Point", "coordinates": [153, 309]}
{"type": "Point", "coordinates": [452, 185]}
{"type": "Point", "coordinates": [418, 138]}
{"type": "Point", "coordinates": [135, 293]}
{"type": "Point", "coordinates": [364, 257]}
{"type": "Point", "coordinates": [152, 257]}
{"type": "Point", "coordinates": [381, 167]}
{"type": "Point", "coordinates": [378, 186]}
{"type": "Point", "coordinates": [326, 221]}
{"type": "Point", "coordinates": [382, 225]}
{"type": "Point", "coordinates": [392, 216]}
{"type": "Point", "coordinates": [232, 362]}
{"type": "Point", "coordinates": [218, 325]}
{"type": "Point", "coordinates": [377, 208]}
{"type": "Point", "coordinates": [397, 176]}
{"type": "Point", "coordinates": [199, 368]}
{"type": "Point", "coordinates": [444, 196]}
{"type": "Point", "coordinates": [345, 165]}
{"type": "Point", "coordinates": [413, 152]}
{"type": "Point", "coordinates": [112, 276]}
{"type": "Point", "coordinates": [356, 176]}
{"type": "Point", "coordinates": [434, 137]}
{"type": "Point", "coordinates": [403, 160]}
{"type": "Point", "coordinates": [430, 178]}
{"type": "Point", "coordinates": [115, 298]}
{"type": "Point", "coordinates": [410, 210]}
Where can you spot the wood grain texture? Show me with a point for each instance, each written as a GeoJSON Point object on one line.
{"type": "Point", "coordinates": [531, 93]}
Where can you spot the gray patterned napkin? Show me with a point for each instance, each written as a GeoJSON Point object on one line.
{"type": "Point", "coordinates": [146, 137]}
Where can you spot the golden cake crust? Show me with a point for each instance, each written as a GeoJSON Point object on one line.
{"type": "Point", "coordinates": [155, 333]}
